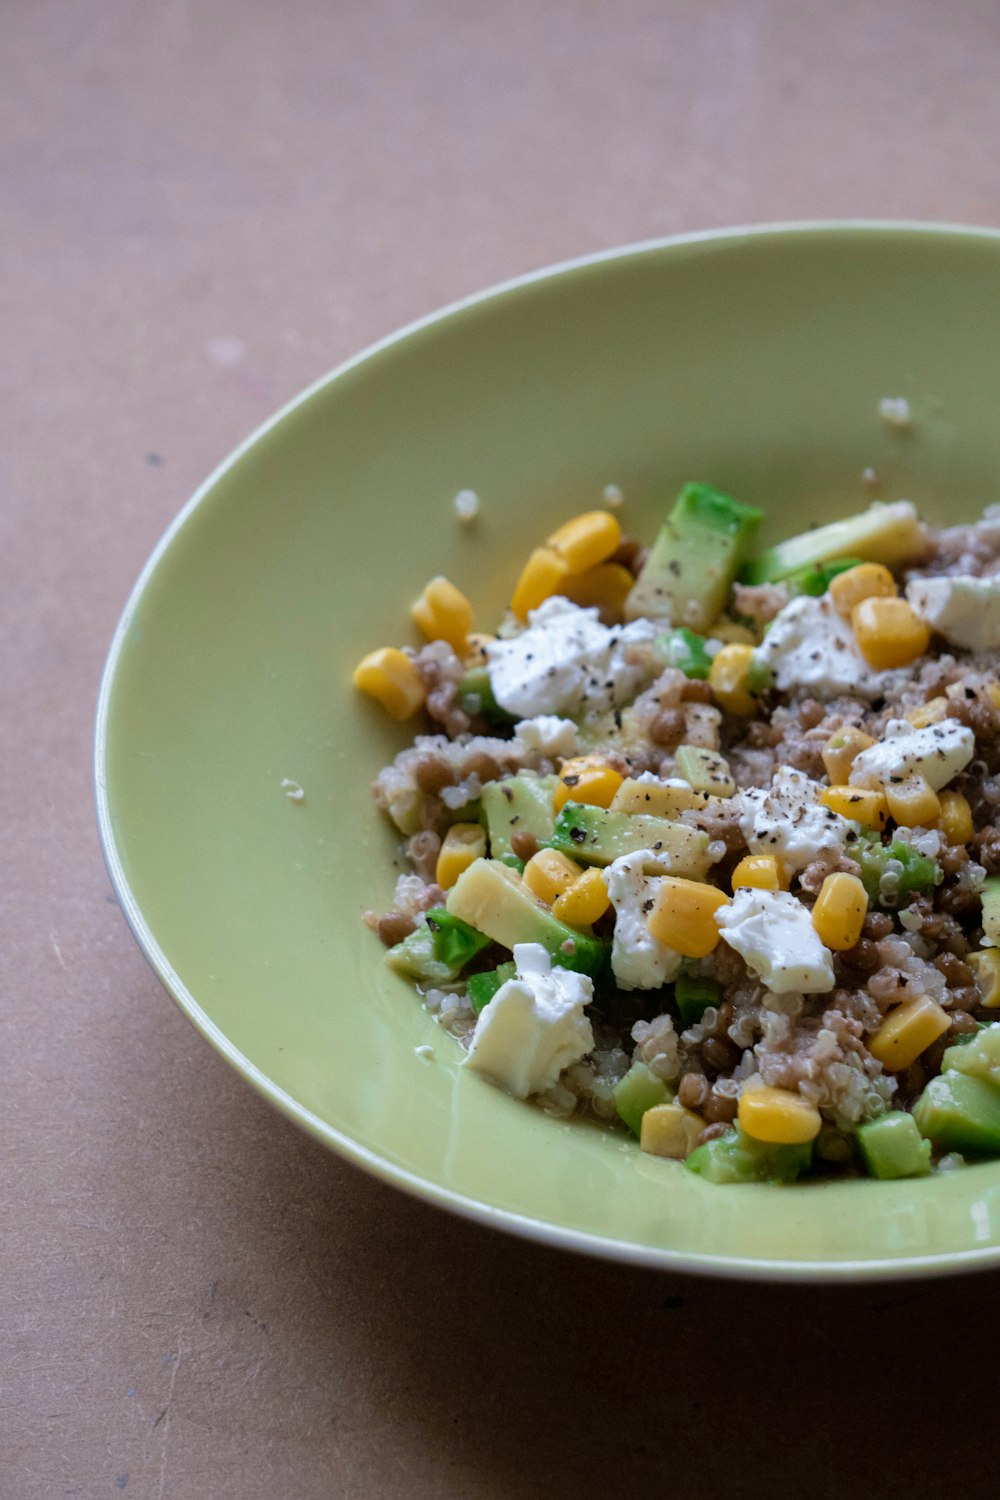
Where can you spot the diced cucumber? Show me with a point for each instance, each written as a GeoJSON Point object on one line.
{"type": "Point", "coordinates": [685, 650]}
{"type": "Point", "coordinates": [892, 1146]}
{"type": "Point", "coordinates": [482, 987]}
{"type": "Point", "coordinates": [917, 873]}
{"type": "Point", "coordinates": [475, 696]}
{"type": "Point", "coordinates": [960, 1113]}
{"type": "Point", "coordinates": [598, 836]}
{"type": "Point", "coordinates": [694, 997]}
{"type": "Point", "coordinates": [517, 804]}
{"type": "Point", "coordinates": [737, 1157]}
{"type": "Point", "coordinates": [979, 1056]}
{"type": "Point", "coordinates": [438, 950]}
{"type": "Point", "coordinates": [815, 579]}
{"type": "Point", "coordinates": [991, 908]}
{"type": "Point", "coordinates": [691, 566]}
{"type": "Point", "coordinates": [638, 1091]}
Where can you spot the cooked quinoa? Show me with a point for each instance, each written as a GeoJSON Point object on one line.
{"type": "Point", "coordinates": [810, 943]}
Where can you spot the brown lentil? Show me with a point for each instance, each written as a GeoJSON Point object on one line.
{"type": "Point", "coordinates": [666, 727]}
{"type": "Point", "coordinates": [692, 1090]}
{"type": "Point", "coordinates": [712, 1132]}
{"type": "Point", "coordinates": [393, 927]}
{"type": "Point", "coordinates": [720, 1109]}
{"type": "Point", "coordinates": [524, 844]}
{"type": "Point", "coordinates": [432, 773]}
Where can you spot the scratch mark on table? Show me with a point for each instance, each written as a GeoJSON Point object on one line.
{"type": "Point", "coordinates": [164, 1417]}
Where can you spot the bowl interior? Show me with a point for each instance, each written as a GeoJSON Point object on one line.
{"type": "Point", "coordinates": [753, 361]}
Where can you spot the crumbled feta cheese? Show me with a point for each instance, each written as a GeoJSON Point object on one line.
{"type": "Point", "coordinates": [809, 646]}
{"type": "Point", "coordinates": [895, 411]}
{"type": "Point", "coordinates": [534, 1027]}
{"type": "Point", "coordinates": [466, 505]}
{"type": "Point", "coordinates": [788, 820]}
{"type": "Point", "coordinates": [774, 933]}
{"type": "Point", "coordinates": [567, 662]}
{"type": "Point", "coordinates": [937, 752]}
{"type": "Point", "coordinates": [546, 735]}
{"type": "Point", "coordinates": [639, 961]}
{"type": "Point", "coordinates": [965, 610]}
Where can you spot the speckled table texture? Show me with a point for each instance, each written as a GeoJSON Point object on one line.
{"type": "Point", "coordinates": [203, 207]}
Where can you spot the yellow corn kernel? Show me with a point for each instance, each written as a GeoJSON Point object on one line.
{"type": "Point", "coordinates": [587, 540]}
{"type": "Point", "coordinates": [985, 965]}
{"type": "Point", "coordinates": [443, 613]}
{"type": "Point", "coordinates": [584, 901]}
{"type": "Point", "coordinates": [683, 916]}
{"type": "Point", "coordinates": [869, 808]}
{"type": "Point", "coordinates": [760, 871]}
{"type": "Point", "coordinates": [867, 581]}
{"type": "Point", "coordinates": [778, 1115]}
{"type": "Point", "coordinates": [727, 678]}
{"type": "Point", "coordinates": [907, 1031]}
{"type": "Point", "coordinates": [840, 911]}
{"type": "Point", "coordinates": [889, 632]}
{"type": "Point", "coordinates": [548, 873]}
{"type": "Point", "coordinates": [993, 693]}
{"type": "Point", "coordinates": [463, 843]}
{"type": "Point", "coordinates": [931, 712]}
{"type": "Point", "coordinates": [475, 648]}
{"type": "Point", "coordinates": [670, 1130]}
{"type": "Point", "coordinates": [842, 749]}
{"type": "Point", "coordinates": [390, 676]}
{"type": "Point", "coordinates": [605, 587]}
{"type": "Point", "coordinates": [585, 780]}
{"type": "Point", "coordinates": [664, 799]}
{"type": "Point", "coordinates": [543, 575]}
{"type": "Point", "coordinates": [704, 770]}
{"type": "Point", "coordinates": [955, 820]}
{"type": "Point", "coordinates": [912, 802]}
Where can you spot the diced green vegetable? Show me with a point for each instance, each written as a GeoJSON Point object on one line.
{"type": "Point", "coordinates": [438, 950]}
{"type": "Point", "coordinates": [482, 987]}
{"type": "Point", "coordinates": [694, 997]}
{"type": "Point", "coordinates": [685, 650]}
{"type": "Point", "coordinates": [475, 696]}
{"type": "Point", "coordinates": [517, 804]}
{"type": "Point", "coordinates": [512, 862]}
{"type": "Point", "coordinates": [960, 1113]}
{"type": "Point", "coordinates": [597, 836]}
{"type": "Point", "coordinates": [979, 1056]}
{"type": "Point", "coordinates": [816, 577]}
{"type": "Point", "coordinates": [759, 678]}
{"type": "Point", "coordinates": [991, 908]}
{"type": "Point", "coordinates": [691, 566]}
{"type": "Point", "coordinates": [737, 1157]}
{"type": "Point", "coordinates": [705, 770]}
{"type": "Point", "coordinates": [892, 1146]}
{"type": "Point", "coordinates": [888, 534]}
{"type": "Point", "coordinates": [916, 873]}
{"type": "Point", "coordinates": [495, 900]}
{"type": "Point", "coordinates": [638, 1091]}
{"type": "Point", "coordinates": [456, 943]}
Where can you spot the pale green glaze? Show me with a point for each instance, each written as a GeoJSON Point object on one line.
{"type": "Point", "coordinates": [754, 361]}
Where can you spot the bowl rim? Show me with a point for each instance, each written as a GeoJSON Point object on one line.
{"type": "Point", "coordinates": [772, 1269]}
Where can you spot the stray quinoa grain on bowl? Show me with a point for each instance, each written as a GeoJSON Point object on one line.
{"type": "Point", "coordinates": [703, 839]}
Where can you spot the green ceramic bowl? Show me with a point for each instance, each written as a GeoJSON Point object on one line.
{"type": "Point", "coordinates": [752, 360]}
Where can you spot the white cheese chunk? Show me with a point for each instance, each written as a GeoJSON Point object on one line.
{"type": "Point", "coordinates": [549, 736]}
{"type": "Point", "coordinates": [937, 752]}
{"type": "Point", "coordinates": [534, 1027]}
{"type": "Point", "coordinates": [809, 646]}
{"type": "Point", "coordinates": [567, 662]}
{"type": "Point", "coordinates": [774, 934]}
{"type": "Point", "coordinates": [639, 961]}
{"type": "Point", "coordinates": [788, 820]}
{"type": "Point", "coordinates": [965, 610]}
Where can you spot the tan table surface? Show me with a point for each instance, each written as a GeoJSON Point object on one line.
{"type": "Point", "coordinates": [203, 207]}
